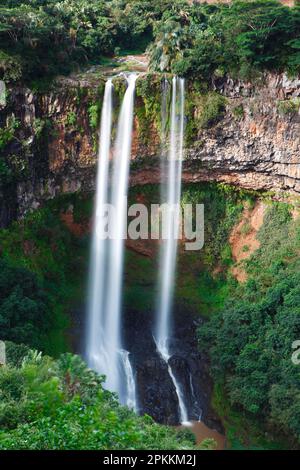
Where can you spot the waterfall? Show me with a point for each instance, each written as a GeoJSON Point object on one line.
{"type": "Point", "coordinates": [116, 243]}
{"type": "Point", "coordinates": [104, 343]}
{"type": "Point", "coordinates": [95, 351]}
{"type": "Point", "coordinates": [195, 402]}
{"type": "Point", "coordinates": [182, 408]}
{"type": "Point", "coordinates": [130, 382]}
{"type": "Point", "coordinates": [169, 246]}
{"type": "Point", "coordinates": [105, 352]}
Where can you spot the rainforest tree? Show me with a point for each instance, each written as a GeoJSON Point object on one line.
{"type": "Point", "coordinates": [24, 313]}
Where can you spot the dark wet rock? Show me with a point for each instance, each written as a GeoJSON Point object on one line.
{"type": "Point", "coordinates": [156, 393]}
{"type": "Point", "coordinates": [155, 389]}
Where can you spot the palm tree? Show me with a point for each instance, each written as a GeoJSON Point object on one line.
{"type": "Point", "coordinates": [168, 46]}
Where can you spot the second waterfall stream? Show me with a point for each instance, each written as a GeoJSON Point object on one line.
{"type": "Point", "coordinates": [171, 195]}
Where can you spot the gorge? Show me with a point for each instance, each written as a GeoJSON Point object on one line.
{"type": "Point", "coordinates": [170, 113]}
{"type": "Point", "coordinates": [64, 163]}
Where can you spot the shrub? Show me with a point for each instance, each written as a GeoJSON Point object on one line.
{"type": "Point", "coordinates": [24, 314]}
{"type": "Point", "coordinates": [213, 109]}
{"type": "Point", "coordinates": [10, 67]}
{"type": "Point", "coordinates": [291, 106]}
{"type": "Point", "coordinates": [238, 112]}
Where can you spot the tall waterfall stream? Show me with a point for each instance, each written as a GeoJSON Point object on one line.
{"type": "Point", "coordinates": [169, 247]}
{"type": "Point", "coordinates": [104, 342]}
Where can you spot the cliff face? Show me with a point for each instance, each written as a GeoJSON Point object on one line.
{"type": "Point", "coordinates": [249, 136]}
{"type": "Point", "coordinates": [257, 143]}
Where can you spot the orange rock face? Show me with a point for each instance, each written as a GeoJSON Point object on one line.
{"type": "Point", "coordinates": [243, 239]}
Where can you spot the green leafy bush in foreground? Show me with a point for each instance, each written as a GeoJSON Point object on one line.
{"type": "Point", "coordinates": [61, 404]}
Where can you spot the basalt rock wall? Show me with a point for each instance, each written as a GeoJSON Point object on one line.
{"type": "Point", "coordinates": [246, 134]}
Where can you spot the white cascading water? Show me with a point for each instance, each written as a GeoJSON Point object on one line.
{"type": "Point", "coordinates": [130, 382]}
{"type": "Point", "coordinates": [95, 351]}
{"type": "Point", "coordinates": [116, 243]}
{"type": "Point", "coordinates": [104, 346]}
{"type": "Point", "coordinates": [169, 245]}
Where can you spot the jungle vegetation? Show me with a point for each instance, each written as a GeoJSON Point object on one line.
{"type": "Point", "coordinates": [41, 38]}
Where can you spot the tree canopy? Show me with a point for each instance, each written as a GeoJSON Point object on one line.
{"type": "Point", "coordinates": [24, 311]}
{"type": "Point", "coordinates": [240, 38]}
{"type": "Point", "coordinates": [43, 38]}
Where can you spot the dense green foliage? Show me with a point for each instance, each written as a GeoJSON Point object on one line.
{"type": "Point", "coordinates": [241, 38]}
{"type": "Point", "coordinates": [47, 404]}
{"type": "Point", "coordinates": [250, 340]}
{"type": "Point", "coordinates": [24, 313]}
{"type": "Point", "coordinates": [40, 281]}
{"type": "Point", "coordinates": [43, 38]}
